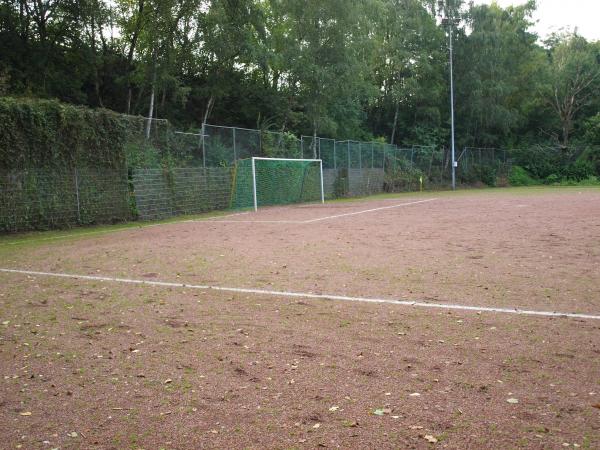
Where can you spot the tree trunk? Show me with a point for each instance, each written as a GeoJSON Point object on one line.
{"type": "Point", "coordinates": [152, 90]}
{"type": "Point", "coordinates": [314, 142]}
{"type": "Point", "coordinates": [95, 54]}
{"type": "Point", "coordinates": [209, 107]}
{"type": "Point", "coordinates": [134, 38]}
{"type": "Point", "coordinates": [566, 133]}
{"type": "Point", "coordinates": [395, 123]}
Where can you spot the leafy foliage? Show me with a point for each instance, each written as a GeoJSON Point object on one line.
{"type": "Point", "coordinates": [520, 177]}
{"type": "Point", "coordinates": [51, 134]}
{"type": "Point", "coordinates": [343, 69]}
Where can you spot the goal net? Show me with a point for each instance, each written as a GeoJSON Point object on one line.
{"type": "Point", "coordinates": [276, 181]}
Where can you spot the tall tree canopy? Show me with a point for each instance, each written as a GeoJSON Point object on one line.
{"type": "Point", "coordinates": [355, 69]}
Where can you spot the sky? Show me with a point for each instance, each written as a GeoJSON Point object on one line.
{"type": "Point", "coordinates": [552, 15]}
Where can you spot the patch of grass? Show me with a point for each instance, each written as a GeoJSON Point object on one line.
{"type": "Point", "coordinates": [586, 443]}
{"type": "Point", "coordinates": [37, 237]}
{"type": "Point", "coordinates": [537, 429]}
{"type": "Point", "coordinates": [520, 177]}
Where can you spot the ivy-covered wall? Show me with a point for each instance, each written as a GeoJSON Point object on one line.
{"type": "Point", "coordinates": [61, 165]}
{"type": "Point", "coordinates": [47, 133]}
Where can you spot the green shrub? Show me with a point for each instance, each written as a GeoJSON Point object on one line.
{"type": "Point", "coordinates": [280, 145]}
{"type": "Point", "coordinates": [592, 155]}
{"type": "Point", "coordinates": [486, 174]}
{"type": "Point", "coordinates": [478, 173]}
{"type": "Point", "coordinates": [402, 179]}
{"type": "Point", "coordinates": [538, 161]}
{"type": "Point", "coordinates": [579, 170]}
{"type": "Point", "coordinates": [520, 177]}
{"type": "Point", "coordinates": [552, 179]}
{"type": "Point", "coordinates": [590, 181]}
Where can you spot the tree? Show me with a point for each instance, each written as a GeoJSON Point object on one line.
{"type": "Point", "coordinates": [497, 63]}
{"type": "Point", "coordinates": [574, 79]}
{"type": "Point", "coordinates": [408, 68]}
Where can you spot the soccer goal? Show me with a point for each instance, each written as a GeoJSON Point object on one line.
{"type": "Point", "coordinates": [276, 181]}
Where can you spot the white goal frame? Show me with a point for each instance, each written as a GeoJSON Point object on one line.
{"type": "Point", "coordinates": [257, 158]}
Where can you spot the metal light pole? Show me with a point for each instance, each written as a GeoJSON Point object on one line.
{"type": "Point", "coordinates": [452, 111]}
{"type": "Point", "coordinates": [450, 22]}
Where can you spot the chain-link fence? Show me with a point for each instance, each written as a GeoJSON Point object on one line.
{"type": "Point", "coordinates": [187, 172]}
{"type": "Point", "coordinates": [483, 165]}
{"type": "Point", "coordinates": [54, 198]}
{"type": "Point", "coordinates": [162, 193]}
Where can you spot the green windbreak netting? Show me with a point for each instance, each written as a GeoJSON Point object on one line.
{"type": "Point", "coordinates": [278, 182]}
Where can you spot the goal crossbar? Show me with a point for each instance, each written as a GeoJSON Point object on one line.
{"type": "Point", "coordinates": [262, 158]}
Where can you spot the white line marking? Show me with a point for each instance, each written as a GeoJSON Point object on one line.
{"type": "Point", "coordinates": [336, 216]}
{"type": "Point", "coordinates": [368, 210]}
{"type": "Point", "coordinates": [260, 221]}
{"type": "Point", "coordinates": [219, 217]}
{"type": "Point", "coordinates": [524, 312]}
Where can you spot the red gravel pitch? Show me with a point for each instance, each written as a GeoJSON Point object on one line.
{"type": "Point", "coordinates": [105, 365]}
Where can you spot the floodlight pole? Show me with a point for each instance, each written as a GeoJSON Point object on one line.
{"type": "Point", "coordinates": [452, 108]}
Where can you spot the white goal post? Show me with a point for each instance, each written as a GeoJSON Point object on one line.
{"type": "Point", "coordinates": [256, 159]}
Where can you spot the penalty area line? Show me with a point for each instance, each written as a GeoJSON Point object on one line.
{"type": "Point", "coordinates": [365, 211]}
{"type": "Point", "coordinates": [320, 219]}
{"type": "Point", "coordinates": [307, 295]}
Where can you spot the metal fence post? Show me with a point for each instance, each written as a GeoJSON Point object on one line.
{"type": "Point", "coordinates": [334, 156]}
{"type": "Point", "coordinates": [372, 156]}
{"type": "Point", "coordinates": [203, 147]}
{"type": "Point", "coordinates": [360, 156]}
{"type": "Point", "coordinates": [77, 196]}
{"type": "Point", "coordinates": [319, 141]}
{"type": "Point", "coordinates": [348, 155]}
{"type": "Point", "coordinates": [234, 149]}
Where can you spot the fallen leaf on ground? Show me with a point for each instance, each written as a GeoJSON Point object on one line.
{"type": "Point", "coordinates": [350, 423]}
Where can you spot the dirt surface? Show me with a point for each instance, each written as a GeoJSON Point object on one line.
{"type": "Point", "coordinates": [88, 364]}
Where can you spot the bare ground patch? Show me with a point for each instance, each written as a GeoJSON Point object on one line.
{"type": "Point", "coordinates": [86, 364]}
{"type": "Point", "coordinates": [126, 366]}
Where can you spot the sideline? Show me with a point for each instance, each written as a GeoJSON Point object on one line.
{"type": "Point", "coordinates": [523, 312]}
